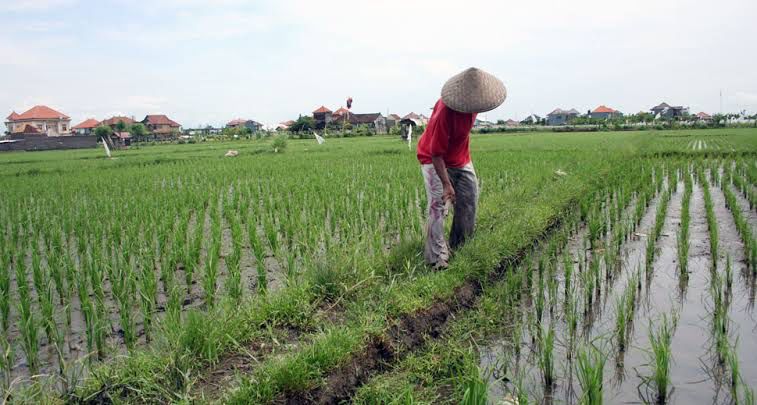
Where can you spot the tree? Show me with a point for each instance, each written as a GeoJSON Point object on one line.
{"type": "Point", "coordinates": [103, 132]}
{"type": "Point", "coordinates": [137, 130]}
{"type": "Point", "coordinates": [120, 126]}
{"type": "Point", "coordinates": [304, 123]}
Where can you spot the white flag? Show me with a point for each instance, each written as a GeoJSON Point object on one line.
{"type": "Point", "coordinates": [319, 138]}
{"type": "Point", "coordinates": [409, 137]}
{"type": "Point", "coordinates": [107, 149]}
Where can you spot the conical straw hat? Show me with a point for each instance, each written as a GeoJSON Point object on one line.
{"type": "Point", "coordinates": [473, 91]}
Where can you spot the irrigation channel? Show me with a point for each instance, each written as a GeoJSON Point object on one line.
{"type": "Point", "coordinates": [658, 331]}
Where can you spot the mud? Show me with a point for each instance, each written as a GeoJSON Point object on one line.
{"type": "Point", "coordinates": [212, 382]}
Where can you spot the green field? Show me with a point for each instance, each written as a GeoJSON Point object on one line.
{"type": "Point", "coordinates": [171, 273]}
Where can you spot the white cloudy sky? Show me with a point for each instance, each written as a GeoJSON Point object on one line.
{"type": "Point", "coordinates": [210, 61]}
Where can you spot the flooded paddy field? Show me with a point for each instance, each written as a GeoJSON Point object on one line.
{"type": "Point", "coordinates": [605, 267]}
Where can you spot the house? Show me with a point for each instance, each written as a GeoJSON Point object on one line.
{"type": "Point", "coordinates": [561, 117]}
{"type": "Point", "coordinates": [413, 118]}
{"type": "Point", "coordinates": [604, 112]}
{"type": "Point", "coordinates": [511, 123]}
{"type": "Point", "coordinates": [87, 127]}
{"type": "Point", "coordinates": [703, 116]}
{"type": "Point", "coordinates": [665, 110]}
{"type": "Point", "coordinates": [374, 121]}
{"type": "Point", "coordinates": [120, 139]}
{"type": "Point", "coordinates": [159, 124]}
{"type": "Point", "coordinates": [532, 119]}
{"type": "Point", "coordinates": [341, 111]}
{"type": "Point", "coordinates": [283, 126]}
{"type": "Point", "coordinates": [44, 118]}
{"type": "Point", "coordinates": [322, 117]}
{"type": "Point", "coordinates": [253, 126]}
{"type": "Point", "coordinates": [392, 120]}
{"type": "Point", "coordinates": [113, 121]}
{"type": "Point", "coordinates": [480, 124]}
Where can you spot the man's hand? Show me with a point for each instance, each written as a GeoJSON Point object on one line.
{"type": "Point", "coordinates": [448, 193]}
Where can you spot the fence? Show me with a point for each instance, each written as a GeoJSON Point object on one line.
{"type": "Point", "coordinates": [43, 142]}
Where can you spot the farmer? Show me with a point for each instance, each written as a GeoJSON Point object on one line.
{"type": "Point", "coordinates": [445, 159]}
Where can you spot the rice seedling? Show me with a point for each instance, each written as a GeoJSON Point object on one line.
{"type": "Point", "coordinates": [735, 373]}
{"type": "Point", "coordinates": [5, 290]}
{"type": "Point", "coordinates": [7, 358]}
{"type": "Point", "coordinates": [148, 293]}
{"type": "Point", "coordinates": [660, 357]}
{"type": "Point", "coordinates": [540, 298]}
{"type": "Point", "coordinates": [589, 370]}
{"type": "Point", "coordinates": [747, 397]}
{"type": "Point", "coordinates": [571, 320]}
{"type": "Point", "coordinates": [712, 223]}
{"type": "Point", "coordinates": [621, 322]}
{"type": "Point", "coordinates": [682, 240]}
{"type": "Point", "coordinates": [27, 323]}
{"type": "Point", "coordinates": [742, 225]}
{"type": "Point", "coordinates": [568, 274]}
{"type": "Point", "coordinates": [546, 356]}
{"type": "Point", "coordinates": [259, 253]}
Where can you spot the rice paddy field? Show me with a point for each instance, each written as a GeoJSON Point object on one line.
{"type": "Point", "coordinates": [606, 268]}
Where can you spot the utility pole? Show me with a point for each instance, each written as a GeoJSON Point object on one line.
{"type": "Point", "coordinates": [721, 101]}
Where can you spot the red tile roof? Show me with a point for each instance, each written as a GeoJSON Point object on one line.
{"type": "Point", "coordinates": [604, 109]}
{"type": "Point", "coordinates": [40, 112]}
{"type": "Point", "coordinates": [13, 116]}
{"type": "Point", "coordinates": [341, 111]}
{"type": "Point", "coordinates": [235, 122]}
{"type": "Point", "coordinates": [322, 109]}
{"type": "Point", "coordinates": [411, 116]}
{"type": "Point", "coordinates": [704, 115]}
{"type": "Point", "coordinates": [87, 124]}
{"type": "Point", "coordinates": [114, 120]}
{"type": "Point", "coordinates": [160, 119]}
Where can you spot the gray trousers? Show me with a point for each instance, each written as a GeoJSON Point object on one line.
{"type": "Point", "coordinates": [465, 183]}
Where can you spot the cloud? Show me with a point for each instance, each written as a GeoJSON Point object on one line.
{"type": "Point", "coordinates": [34, 5]}
{"type": "Point", "coordinates": [743, 97]}
{"type": "Point", "coordinates": [146, 103]}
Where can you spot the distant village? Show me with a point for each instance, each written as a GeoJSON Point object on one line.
{"type": "Point", "coordinates": [42, 127]}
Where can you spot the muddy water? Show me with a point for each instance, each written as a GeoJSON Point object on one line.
{"type": "Point", "coordinates": [693, 375]}
{"type": "Point", "coordinates": [691, 372]}
{"type": "Point", "coordinates": [497, 356]}
{"type": "Point", "coordinates": [749, 214]}
{"type": "Point", "coordinates": [741, 311]}
{"type": "Point", "coordinates": [659, 296]}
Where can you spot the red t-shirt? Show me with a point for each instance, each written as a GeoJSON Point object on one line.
{"type": "Point", "coordinates": [447, 135]}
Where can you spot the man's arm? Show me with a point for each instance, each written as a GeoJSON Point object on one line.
{"type": "Point", "coordinates": [448, 192]}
